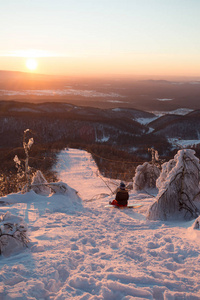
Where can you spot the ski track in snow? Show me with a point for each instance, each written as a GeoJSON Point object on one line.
{"type": "Point", "coordinates": [91, 252]}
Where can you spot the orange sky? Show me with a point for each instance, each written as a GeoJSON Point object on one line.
{"type": "Point", "coordinates": [107, 66]}
{"type": "Point", "coordinates": [98, 38]}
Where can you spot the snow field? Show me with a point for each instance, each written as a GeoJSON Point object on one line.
{"type": "Point", "coordinates": [82, 250]}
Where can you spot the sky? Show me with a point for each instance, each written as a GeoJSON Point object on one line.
{"type": "Point", "coordinates": [101, 37]}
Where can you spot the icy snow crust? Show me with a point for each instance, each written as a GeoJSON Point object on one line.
{"type": "Point", "coordinates": [81, 250]}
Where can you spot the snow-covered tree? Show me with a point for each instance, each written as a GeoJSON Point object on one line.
{"type": "Point", "coordinates": [196, 224]}
{"type": "Point", "coordinates": [179, 192]}
{"type": "Point", "coordinates": [145, 176]}
{"type": "Point", "coordinates": [23, 169]}
{"type": "Point", "coordinates": [38, 184]}
{"type": "Point", "coordinates": [13, 234]}
{"type": "Point", "coordinates": [166, 168]}
{"type": "Point", "coordinates": [27, 146]}
{"type": "Point", "coordinates": [154, 155]}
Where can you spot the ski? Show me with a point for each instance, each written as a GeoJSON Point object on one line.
{"type": "Point", "coordinates": [124, 207]}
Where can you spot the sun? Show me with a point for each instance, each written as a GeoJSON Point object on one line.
{"type": "Point", "coordinates": [31, 64]}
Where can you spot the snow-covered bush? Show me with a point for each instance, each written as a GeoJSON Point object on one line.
{"type": "Point", "coordinates": [66, 197]}
{"type": "Point", "coordinates": [145, 176]}
{"type": "Point", "coordinates": [166, 168]}
{"type": "Point", "coordinates": [179, 193]}
{"type": "Point", "coordinates": [38, 184]}
{"type": "Point", "coordinates": [62, 188]}
{"type": "Point", "coordinates": [13, 234]}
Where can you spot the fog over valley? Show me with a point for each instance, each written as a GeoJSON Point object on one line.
{"type": "Point", "coordinates": [150, 95]}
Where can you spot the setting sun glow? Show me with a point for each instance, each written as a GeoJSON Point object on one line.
{"type": "Point", "coordinates": [130, 39]}
{"type": "Point", "coordinates": [31, 64]}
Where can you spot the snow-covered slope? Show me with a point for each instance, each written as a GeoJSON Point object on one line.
{"type": "Point", "coordinates": [82, 250]}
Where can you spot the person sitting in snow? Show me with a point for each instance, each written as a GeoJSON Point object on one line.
{"type": "Point", "coordinates": [122, 196]}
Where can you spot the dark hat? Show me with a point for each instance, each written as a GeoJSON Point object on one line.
{"type": "Point", "coordinates": [122, 186]}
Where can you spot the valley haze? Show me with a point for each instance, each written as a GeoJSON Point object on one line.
{"type": "Point", "coordinates": [149, 95]}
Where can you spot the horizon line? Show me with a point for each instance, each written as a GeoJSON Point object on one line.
{"type": "Point", "coordinates": [113, 76]}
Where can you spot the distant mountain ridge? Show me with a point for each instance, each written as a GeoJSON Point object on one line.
{"type": "Point", "coordinates": [144, 95]}
{"type": "Point", "coordinates": [117, 127]}
{"type": "Point", "coordinates": [67, 123]}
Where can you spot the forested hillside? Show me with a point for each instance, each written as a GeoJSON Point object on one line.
{"type": "Point", "coordinates": [118, 138]}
